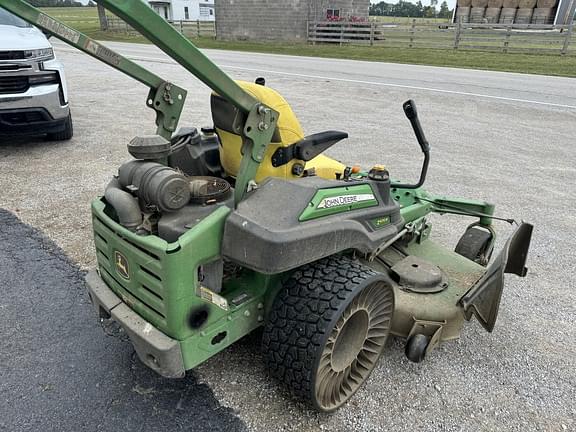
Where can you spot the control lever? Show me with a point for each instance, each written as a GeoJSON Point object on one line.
{"type": "Point", "coordinates": [412, 114]}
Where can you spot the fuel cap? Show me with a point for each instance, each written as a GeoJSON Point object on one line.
{"type": "Point", "coordinates": [378, 173]}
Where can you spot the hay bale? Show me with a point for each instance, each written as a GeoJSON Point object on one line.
{"type": "Point", "coordinates": [523, 16]}
{"type": "Point", "coordinates": [542, 16]}
{"type": "Point", "coordinates": [463, 14]}
{"type": "Point", "coordinates": [542, 4]}
{"type": "Point", "coordinates": [507, 15]}
{"type": "Point", "coordinates": [477, 15]}
{"type": "Point", "coordinates": [492, 15]}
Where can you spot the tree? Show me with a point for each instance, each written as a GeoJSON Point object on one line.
{"type": "Point", "coordinates": [445, 12]}
{"type": "Point", "coordinates": [402, 9]}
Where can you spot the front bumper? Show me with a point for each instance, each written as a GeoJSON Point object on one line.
{"type": "Point", "coordinates": [156, 350]}
{"type": "Point", "coordinates": [37, 111]}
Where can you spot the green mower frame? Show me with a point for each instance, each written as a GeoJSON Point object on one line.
{"type": "Point", "coordinates": [350, 263]}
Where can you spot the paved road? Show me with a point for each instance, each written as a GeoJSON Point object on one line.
{"type": "Point", "coordinates": [503, 137]}
{"type": "Point", "coordinates": [61, 372]}
{"type": "Point", "coordinates": [497, 86]}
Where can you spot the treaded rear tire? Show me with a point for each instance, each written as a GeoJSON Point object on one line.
{"type": "Point", "coordinates": [327, 329]}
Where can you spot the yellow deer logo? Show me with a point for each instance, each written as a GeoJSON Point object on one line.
{"type": "Point", "coordinates": [122, 265]}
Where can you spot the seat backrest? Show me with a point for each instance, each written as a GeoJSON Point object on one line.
{"type": "Point", "coordinates": [288, 131]}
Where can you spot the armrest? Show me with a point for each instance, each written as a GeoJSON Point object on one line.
{"type": "Point", "coordinates": [307, 148]}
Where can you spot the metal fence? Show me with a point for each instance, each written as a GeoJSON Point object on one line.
{"type": "Point", "coordinates": [507, 38]}
{"type": "Point", "coordinates": [191, 29]}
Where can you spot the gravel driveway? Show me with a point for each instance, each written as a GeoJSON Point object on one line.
{"type": "Point", "coordinates": [517, 154]}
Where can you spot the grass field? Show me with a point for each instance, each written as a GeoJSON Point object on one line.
{"type": "Point", "coordinates": [86, 20]}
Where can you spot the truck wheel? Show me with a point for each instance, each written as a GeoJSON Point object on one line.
{"type": "Point", "coordinates": [327, 329]}
{"type": "Point", "coordinates": [476, 245]}
{"type": "Point", "coordinates": [65, 134]}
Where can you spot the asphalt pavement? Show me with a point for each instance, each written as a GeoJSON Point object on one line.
{"type": "Point", "coordinates": [62, 371]}
{"type": "Point", "coordinates": [506, 138]}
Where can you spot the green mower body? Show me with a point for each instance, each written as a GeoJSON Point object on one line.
{"type": "Point", "coordinates": [192, 257]}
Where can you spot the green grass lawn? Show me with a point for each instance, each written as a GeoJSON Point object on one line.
{"type": "Point", "coordinates": [86, 20]}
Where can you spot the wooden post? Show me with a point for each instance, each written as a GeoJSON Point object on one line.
{"type": "Point", "coordinates": [102, 17]}
{"type": "Point", "coordinates": [507, 39]}
{"type": "Point", "coordinates": [198, 27]}
{"type": "Point", "coordinates": [412, 30]}
{"type": "Point", "coordinates": [341, 33]}
{"type": "Point", "coordinates": [314, 32]}
{"type": "Point", "coordinates": [372, 33]}
{"type": "Point", "coordinates": [567, 39]}
{"type": "Point", "coordinates": [457, 35]}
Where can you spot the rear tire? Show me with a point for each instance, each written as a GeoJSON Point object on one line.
{"type": "Point", "coordinates": [327, 329]}
{"type": "Point", "coordinates": [66, 134]}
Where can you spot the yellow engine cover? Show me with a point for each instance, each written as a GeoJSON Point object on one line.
{"type": "Point", "coordinates": [289, 132]}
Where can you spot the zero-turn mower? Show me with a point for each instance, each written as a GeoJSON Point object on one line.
{"type": "Point", "coordinates": [207, 235]}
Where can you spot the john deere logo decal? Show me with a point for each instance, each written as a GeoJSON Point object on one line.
{"type": "Point", "coordinates": [344, 200]}
{"type": "Point", "coordinates": [122, 265]}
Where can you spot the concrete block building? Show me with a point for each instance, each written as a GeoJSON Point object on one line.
{"type": "Point", "coordinates": [284, 20]}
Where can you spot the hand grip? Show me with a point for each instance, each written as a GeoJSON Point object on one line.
{"type": "Point", "coordinates": [410, 109]}
{"type": "Point", "coordinates": [412, 114]}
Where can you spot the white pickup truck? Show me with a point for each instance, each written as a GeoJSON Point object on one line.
{"type": "Point", "coordinates": [33, 94]}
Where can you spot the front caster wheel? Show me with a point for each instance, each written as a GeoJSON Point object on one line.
{"type": "Point", "coordinates": [416, 346]}
{"type": "Point", "coordinates": [327, 329]}
{"type": "Point", "coordinates": [476, 244]}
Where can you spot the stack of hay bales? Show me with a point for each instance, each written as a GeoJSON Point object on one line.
{"type": "Point", "coordinates": [506, 11]}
